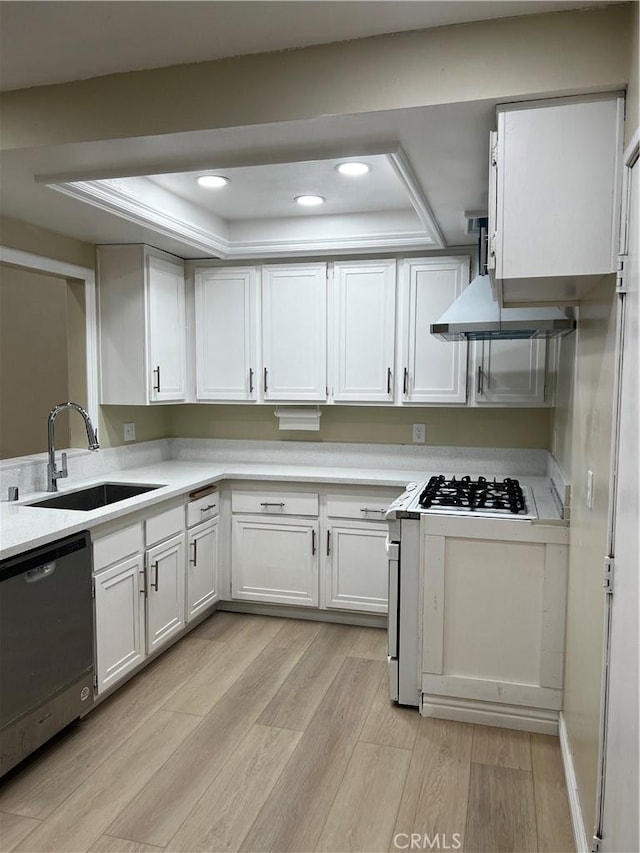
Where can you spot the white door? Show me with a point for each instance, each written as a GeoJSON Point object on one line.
{"type": "Point", "coordinates": [202, 567]}
{"type": "Point", "coordinates": [166, 330]}
{"type": "Point", "coordinates": [356, 569]}
{"type": "Point", "coordinates": [226, 333]}
{"type": "Point", "coordinates": [363, 330]}
{"type": "Point", "coordinates": [433, 371]}
{"type": "Point", "coordinates": [275, 561]}
{"type": "Point", "coordinates": [165, 592]}
{"type": "Point", "coordinates": [510, 371]}
{"type": "Point", "coordinates": [119, 621]}
{"type": "Point", "coordinates": [621, 794]}
{"type": "Point", "coordinates": [294, 332]}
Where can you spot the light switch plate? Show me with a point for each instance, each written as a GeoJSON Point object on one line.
{"type": "Point", "coordinates": [129, 432]}
{"type": "Point", "coordinates": [590, 486]}
{"type": "Point", "coordinates": [419, 433]}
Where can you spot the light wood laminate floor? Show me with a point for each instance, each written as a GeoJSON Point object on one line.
{"type": "Point", "coordinates": [256, 733]}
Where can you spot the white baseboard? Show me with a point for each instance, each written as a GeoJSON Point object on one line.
{"type": "Point", "coordinates": [579, 831]}
{"type": "Point", "coordinates": [519, 717]}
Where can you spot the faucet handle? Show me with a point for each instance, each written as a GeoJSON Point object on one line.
{"type": "Point", "coordinates": [64, 472]}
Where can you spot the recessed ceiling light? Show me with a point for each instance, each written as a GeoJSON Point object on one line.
{"type": "Point", "coordinates": [309, 200]}
{"type": "Point", "coordinates": [212, 181]}
{"type": "Point", "coordinates": [353, 168]}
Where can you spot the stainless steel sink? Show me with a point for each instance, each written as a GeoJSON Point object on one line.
{"type": "Point", "coordinates": [94, 497]}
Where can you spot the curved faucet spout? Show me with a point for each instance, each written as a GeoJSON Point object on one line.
{"type": "Point", "coordinates": [53, 475]}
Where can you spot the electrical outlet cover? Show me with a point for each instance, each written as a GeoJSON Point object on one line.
{"type": "Point", "coordinates": [129, 432]}
{"type": "Point", "coordinates": [419, 433]}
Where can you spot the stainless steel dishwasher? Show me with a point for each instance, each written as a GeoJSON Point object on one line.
{"type": "Point", "coordinates": [46, 644]}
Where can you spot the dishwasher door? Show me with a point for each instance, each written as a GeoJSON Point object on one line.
{"type": "Point", "coordinates": [46, 643]}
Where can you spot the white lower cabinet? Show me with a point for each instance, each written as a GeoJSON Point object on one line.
{"type": "Point", "coordinates": [165, 586]}
{"type": "Point", "coordinates": [202, 567]}
{"type": "Point", "coordinates": [356, 568]}
{"type": "Point", "coordinates": [119, 620]}
{"type": "Point", "coordinates": [275, 560]}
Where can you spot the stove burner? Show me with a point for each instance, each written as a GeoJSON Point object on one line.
{"type": "Point", "coordinates": [465, 493]}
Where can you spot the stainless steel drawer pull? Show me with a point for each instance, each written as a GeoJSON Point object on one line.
{"type": "Point", "coordinates": [265, 380]}
{"type": "Point", "coordinates": [272, 503]}
{"type": "Point", "coordinates": [368, 509]}
{"type": "Point", "coordinates": [207, 507]}
{"type": "Point", "coordinates": [194, 561]}
{"type": "Point", "coordinates": [143, 590]}
{"type": "Point", "coordinates": [328, 542]}
{"type": "Point", "coordinates": [405, 381]}
{"type": "Point", "coordinates": [155, 584]}
{"type": "Point", "coordinates": [157, 373]}
{"type": "Point", "coordinates": [480, 387]}
{"type": "Point", "coordinates": [313, 542]}
{"type": "Point", "coordinates": [250, 381]}
{"type": "Point", "coordinates": [388, 380]}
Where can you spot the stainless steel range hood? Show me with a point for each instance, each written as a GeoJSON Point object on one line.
{"type": "Point", "coordinates": [475, 316]}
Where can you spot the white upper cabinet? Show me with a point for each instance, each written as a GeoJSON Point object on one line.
{"type": "Point", "coordinates": [554, 199]}
{"type": "Point", "coordinates": [226, 309]}
{"type": "Point", "coordinates": [509, 372]}
{"type": "Point", "coordinates": [141, 305]}
{"type": "Point", "coordinates": [362, 330]}
{"type": "Point", "coordinates": [294, 332]}
{"type": "Point", "coordinates": [431, 370]}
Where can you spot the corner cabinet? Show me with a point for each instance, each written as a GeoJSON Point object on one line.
{"type": "Point", "coordinates": [432, 371]}
{"type": "Point", "coordinates": [142, 320]}
{"type": "Point", "coordinates": [294, 332]}
{"type": "Point", "coordinates": [226, 345]}
{"type": "Point", "coordinates": [362, 330]}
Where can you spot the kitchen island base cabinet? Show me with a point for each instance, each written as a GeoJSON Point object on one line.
{"type": "Point", "coordinates": [202, 568]}
{"type": "Point", "coordinates": [493, 622]}
{"type": "Point", "coordinates": [357, 571]}
{"type": "Point", "coordinates": [275, 560]}
{"type": "Point", "coordinates": [165, 592]}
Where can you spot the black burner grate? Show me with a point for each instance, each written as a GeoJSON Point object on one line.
{"type": "Point", "coordinates": [499, 495]}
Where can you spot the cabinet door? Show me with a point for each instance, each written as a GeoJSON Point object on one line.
{"type": "Point", "coordinates": [119, 621]}
{"type": "Point", "coordinates": [166, 330]}
{"type": "Point", "coordinates": [433, 371]}
{"type": "Point", "coordinates": [275, 561]}
{"type": "Point", "coordinates": [509, 371]}
{"type": "Point", "coordinates": [294, 332]}
{"type": "Point", "coordinates": [165, 592]}
{"type": "Point", "coordinates": [357, 567]}
{"type": "Point", "coordinates": [226, 333]}
{"type": "Point", "coordinates": [202, 568]}
{"type": "Point", "coordinates": [363, 330]}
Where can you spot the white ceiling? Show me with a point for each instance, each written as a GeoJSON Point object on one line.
{"type": "Point", "coordinates": [53, 42]}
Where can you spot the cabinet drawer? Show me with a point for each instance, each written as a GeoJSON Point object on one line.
{"type": "Point", "coordinates": [361, 506]}
{"type": "Point", "coordinates": [275, 503]}
{"type": "Point", "coordinates": [204, 507]}
{"type": "Point", "coordinates": [164, 524]}
{"type": "Point", "coordinates": [117, 546]}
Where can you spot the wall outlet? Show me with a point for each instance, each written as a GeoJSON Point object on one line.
{"type": "Point", "coordinates": [590, 487]}
{"type": "Point", "coordinates": [419, 433]}
{"type": "Point", "coordinates": [129, 432]}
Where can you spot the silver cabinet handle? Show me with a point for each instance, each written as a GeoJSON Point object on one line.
{"type": "Point", "coordinates": [272, 503]}
{"type": "Point", "coordinates": [405, 381]}
{"type": "Point", "coordinates": [155, 584]}
{"type": "Point", "coordinates": [480, 386]}
{"type": "Point", "coordinates": [266, 372]}
{"type": "Point", "coordinates": [328, 542]}
{"type": "Point", "coordinates": [157, 373]}
{"type": "Point", "coordinates": [388, 380]}
{"type": "Point", "coordinates": [313, 542]}
{"type": "Point", "coordinates": [207, 507]}
{"type": "Point", "coordinates": [194, 561]}
{"type": "Point", "coordinates": [368, 509]}
{"type": "Point", "coordinates": [143, 591]}
{"type": "Point", "coordinates": [250, 381]}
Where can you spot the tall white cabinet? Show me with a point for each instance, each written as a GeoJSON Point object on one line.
{"type": "Point", "coordinates": [432, 371]}
{"type": "Point", "coordinates": [141, 309]}
{"type": "Point", "coordinates": [363, 330]}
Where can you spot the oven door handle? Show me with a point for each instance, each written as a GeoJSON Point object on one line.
{"type": "Point", "coordinates": [394, 603]}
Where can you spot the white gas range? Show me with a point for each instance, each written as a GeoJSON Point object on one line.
{"type": "Point", "coordinates": [463, 496]}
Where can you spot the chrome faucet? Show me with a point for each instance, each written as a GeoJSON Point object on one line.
{"type": "Point", "coordinates": [53, 475]}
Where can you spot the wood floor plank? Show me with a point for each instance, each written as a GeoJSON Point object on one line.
{"type": "Point", "coordinates": [553, 819]}
{"type": "Point", "coordinates": [47, 778]}
{"type": "Point", "coordinates": [221, 626]}
{"type": "Point", "coordinates": [159, 810]}
{"type": "Point", "coordinates": [13, 829]}
{"type": "Point", "coordinates": [370, 643]}
{"type": "Point", "coordinates": [108, 844]}
{"type": "Point", "coordinates": [295, 703]}
{"type": "Point", "coordinates": [86, 813]}
{"type": "Point", "coordinates": [200, 693]}
{"type": "Point", "coordinates": [435, 795]}
{"type": "Point", "coordinates": [389, 724]}
{"type": "Point", "coordinates": [371, 789]}
{"type": "Point", "coordinates": [501, 747]}
{"type": "Point", "coordinates": [225, 812]}
{"type": "Point", "coordinates": [501, 815]}
{"type": "Point", "coordinates": [294, 814]}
